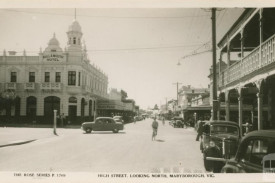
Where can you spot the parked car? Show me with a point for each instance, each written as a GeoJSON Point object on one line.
{"type": "Point", "coordinates": [102, 124]}
{"type": "Point", "coordinates": [177, 122]}
{"type": "Point", "coordinates": [138, 118]}
{"type": "Point", "coordinates": [118, 119]}
{"type": "Point", "coordinates": [220, 139]}
{"type": "Point", "coordinates": [253, 153]}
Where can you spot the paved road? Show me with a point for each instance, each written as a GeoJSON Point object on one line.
{"type": "Point", "coordinates": [131, 150]}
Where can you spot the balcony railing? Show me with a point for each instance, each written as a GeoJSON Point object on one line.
{"type": "Point", "coordinates": [11, 86]}
{"type": "Point", "coordinates": [250, 63]}
{"type": "Point", "coordinates": [50, 86]}
{"type": "Point", "coordinates": [29, 86]}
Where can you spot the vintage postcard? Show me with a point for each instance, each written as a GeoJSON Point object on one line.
{"type": "Point", "coordinates": [137, 91]}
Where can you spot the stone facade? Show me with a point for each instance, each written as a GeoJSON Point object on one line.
{"type": "Point", "coordinates": [55, 79]}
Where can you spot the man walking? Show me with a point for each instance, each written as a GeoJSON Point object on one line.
{"type": "Point", "coordinates": [200, 129]}
{"type": "Point", "coordinates": [155, 126]}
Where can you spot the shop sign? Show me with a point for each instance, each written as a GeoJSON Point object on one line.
{"type": "Point", "coordinates": [53, 57]}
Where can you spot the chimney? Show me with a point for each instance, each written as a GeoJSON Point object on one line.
{"type": "Point", "coordinates": [12, 53]}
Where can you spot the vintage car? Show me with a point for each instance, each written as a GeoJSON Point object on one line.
{"type": "Point", "coordinates": [177, 122]}
{"type": "Point", "coordinates": [102, 124]}
{"type": "Point", "coordinates": [138, 118]}
{"type": "Point", "coordinates": [253, 154]}
{"type": "Point", "coordinates": [220, 139]}
{"type": "Point", "coordinates": [118, 119]}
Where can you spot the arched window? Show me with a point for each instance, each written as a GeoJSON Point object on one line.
{"type": "Point", "coordinates": [74, 41]}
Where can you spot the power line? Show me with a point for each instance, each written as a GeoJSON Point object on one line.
{"type": "Point", "coordinates": [205, 45]}
{"type": "Point", "coordinates": [129, 49]}
{"type": "Point", "coordinates": [93, 16]}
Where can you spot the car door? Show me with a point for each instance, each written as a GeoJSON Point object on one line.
{"type": "Point", "coordinates": [110, 124]}
{"type": "Point", "coordinates": [99, 124]}
{"type": "Point", "coordinates": [250, 160]}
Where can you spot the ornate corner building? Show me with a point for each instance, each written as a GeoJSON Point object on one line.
{"type": "Point", "coordinates": [55, 79]}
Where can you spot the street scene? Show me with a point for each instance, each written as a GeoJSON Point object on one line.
{"type": "Point", "coordinates": [157, 90]}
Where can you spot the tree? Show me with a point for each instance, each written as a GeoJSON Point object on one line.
{"type": "Point", "coordinates": [156, 107]}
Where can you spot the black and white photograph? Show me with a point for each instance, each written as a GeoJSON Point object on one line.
{"type": "Point", "coordinates": [137, 93]}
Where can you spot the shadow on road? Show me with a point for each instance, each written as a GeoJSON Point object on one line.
{"type": "Point", "coordinates": [159, 140]}
{"type": "Point", "coordinates": [104, 133]}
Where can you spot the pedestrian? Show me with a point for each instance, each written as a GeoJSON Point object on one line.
{"type": "Point", "coordinates": [155, 126]}
{"type": "Point", "coordinates": [163, 120]}
{"type": "Point", "coordinates": [199, 130]}
{"type": "Point", "coordinates": [62, 119]}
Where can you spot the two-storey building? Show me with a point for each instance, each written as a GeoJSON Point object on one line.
{"type": "Point", "coordinates": [55, 79]}
{"type": "Point", "coordinates": [118, 105]}
{"type": "Point", "coordinates": [185, 108]}
{"type": "Point", "coordinates": [249, 79]}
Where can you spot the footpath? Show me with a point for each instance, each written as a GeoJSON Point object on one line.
{"type": "Point", "coordinates": [10, 136]}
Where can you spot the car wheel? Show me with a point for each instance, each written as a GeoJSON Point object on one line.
{"type": "Point", "coordinates": [227, 170]}
{"type": "Point", "coordinates": [88, 130]}
{"type": "Point", "coordinates": [207, 164]}
{"type": "Point", "coordinates": [115, 130]}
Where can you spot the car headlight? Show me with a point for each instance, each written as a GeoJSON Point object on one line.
{"type": "Point", "coordinates": [212, 144]}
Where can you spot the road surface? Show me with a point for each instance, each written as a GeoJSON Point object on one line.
{"type": "Point", "coordinates": [132, 150]}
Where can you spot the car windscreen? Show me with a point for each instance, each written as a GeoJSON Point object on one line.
{"type": "Point", "coordinates": [222, 129]}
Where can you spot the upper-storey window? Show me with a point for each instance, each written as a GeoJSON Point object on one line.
{"type": "Point", "coordinates": [31, 77]}
{"type": "Point", "coordinates": [79, 78]}
{"type": "Point", "coordinates": [47, 76]}
{"type": "Point", "coordinates": [13, 77]}
{"type": "Point", "coordinates": [57, 77]}
{"type": "Point", "coordinates": [71, 78]}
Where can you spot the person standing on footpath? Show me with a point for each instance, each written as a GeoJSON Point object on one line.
{"type": "Point", "coordinates": [199, 130]}
{"type": "Point", "coordinates": [62, 119]}
{"type": "Point", "coordinates": [155, 126]}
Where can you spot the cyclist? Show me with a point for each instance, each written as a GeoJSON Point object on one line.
{"type": "Point", "coordinates": [155, 128]}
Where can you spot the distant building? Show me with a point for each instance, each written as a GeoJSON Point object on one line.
{"type": "Point", "coordinates": [193, 102]}
{"type": "Point", "coordinates": [117, 105]}
{"type": "Point", "coordinates": [56, 79]}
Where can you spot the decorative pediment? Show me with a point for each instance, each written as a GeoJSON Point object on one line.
{"type": "Point", "coordinates": [13, 69]}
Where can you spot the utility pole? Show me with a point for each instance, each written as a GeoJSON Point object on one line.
{"type": "Point", "coordinates": [177, 83]}
{"type": "Point", "coordinates": [166, 104]}
{"type": "Point", "coordinates": [214, 99]}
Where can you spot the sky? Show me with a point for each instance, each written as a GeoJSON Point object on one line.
{"type": "Point", "coordinates": [138, 48]}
